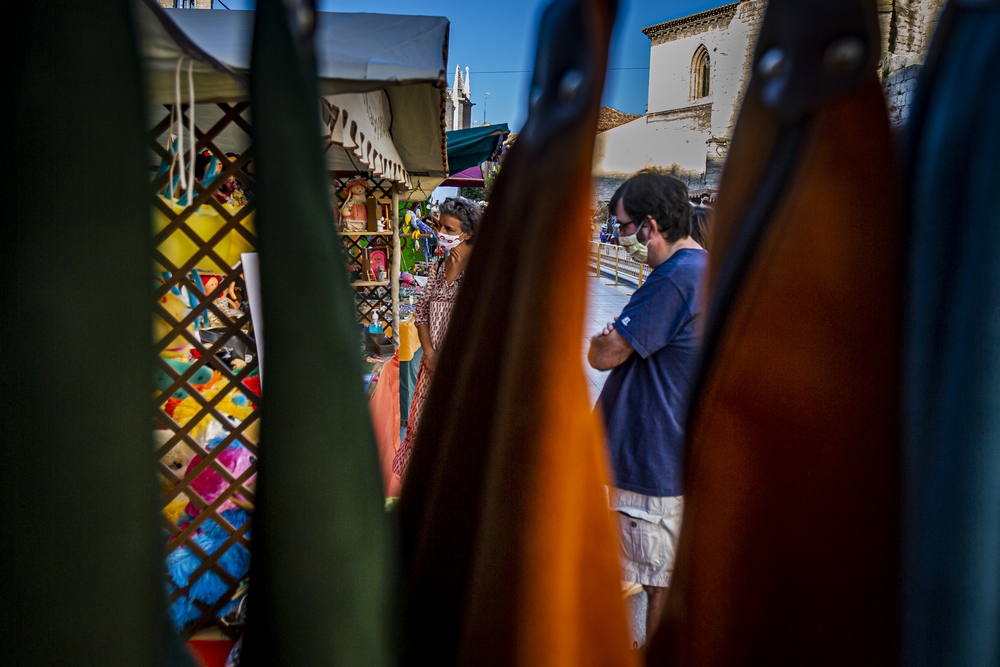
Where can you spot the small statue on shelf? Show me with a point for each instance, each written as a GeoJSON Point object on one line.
{"type": "Point", "coordinates": [355, 207]}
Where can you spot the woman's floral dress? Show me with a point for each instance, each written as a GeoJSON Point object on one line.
{"type": "Point", "coordinates": [433, 309]}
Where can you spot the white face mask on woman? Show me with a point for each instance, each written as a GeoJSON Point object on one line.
{"type": "Point", "coordinates": [448, 241]}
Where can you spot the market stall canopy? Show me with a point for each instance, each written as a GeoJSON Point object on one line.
{"type": "Point", "coordinates": [467, 178]}
{"type": "Point", "coordinates": [475, 145]}
{"type": "Point", "coordinates": [401, 57]}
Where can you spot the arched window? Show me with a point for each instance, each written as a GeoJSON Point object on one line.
{"type": "Point", "coordinates": [701, 74]}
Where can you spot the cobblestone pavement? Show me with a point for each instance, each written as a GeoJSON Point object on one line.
{"type": "Point", "coordinates": [604, 303]}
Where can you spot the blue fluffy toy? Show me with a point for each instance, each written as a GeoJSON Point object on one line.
{"type": "Point", "coordinates": [181, 564]}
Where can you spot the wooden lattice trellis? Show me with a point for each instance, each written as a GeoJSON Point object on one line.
{"type": "Point", "coordinates": [207, 429]}
{"type": "Point", "coordinates": [369, 295]}
{"type": "Point", "coordinates": [207, 441]}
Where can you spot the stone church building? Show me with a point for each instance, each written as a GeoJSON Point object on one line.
{"type": "Point", "coordinates": [186, 4]}
{"type": "Point", "coordinates": [458, 101]}
{"type": "Point", "coordinates": [699, 68]}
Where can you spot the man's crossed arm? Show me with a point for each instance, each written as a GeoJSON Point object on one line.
{"type": "Point", "coordinates": [608, 349]}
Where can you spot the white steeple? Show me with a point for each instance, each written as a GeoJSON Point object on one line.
{"type": "Point", "coordinates": [456, 102]}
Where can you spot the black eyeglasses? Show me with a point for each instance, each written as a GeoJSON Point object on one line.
{"type": "Point", "coordinates": [638, 225]}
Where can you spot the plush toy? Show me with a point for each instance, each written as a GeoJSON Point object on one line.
{"type": "Point", "coordinates": [178, 347]}
{"type": "Point", "coordinates": [424, 228]}
{"type": "Point", "coordinates": [355, 207]}
{"type": "Point", "coordinates": [161, 380]}
{"type": "Point", "coordinates": [235, 406]}
{"type": "Point", "coordinates": [209, 536]}
{"type": "Point", "coordinates": [182, 563]}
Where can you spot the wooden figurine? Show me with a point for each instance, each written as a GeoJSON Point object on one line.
{"type": "Point", "coordinates": [355, 207]}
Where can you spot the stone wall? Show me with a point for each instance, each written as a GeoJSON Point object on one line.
{"type": "Point", "coordinates": [675, 141]}
{"type": "Point", "coordinates": [906, 44]}
{"type": "Point", "coordinates": [679, 133]}
{"type": "Point", "coordinates": [673, 47]}
{"type": "Point", "coordinates": [914, 22]}
{"type": "Point", "coordinates": [675, 136]}
{"type": "Point", "coordinates": [605, 186]}
{"type": "Point", "coordinates": [198, 4]}
{"type": "Point", "coordinates": [729, 34]}
{"type": "Point", "coordinates": [900, 87]}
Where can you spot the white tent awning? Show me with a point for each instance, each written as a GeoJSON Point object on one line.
{"type": "Point", "coordinates": [402, 57]}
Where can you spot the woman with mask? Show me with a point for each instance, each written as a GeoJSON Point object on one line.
{"type": "Point", "coordinates": [458, 222]}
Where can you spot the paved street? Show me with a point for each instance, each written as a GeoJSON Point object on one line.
{"type": "Point", "coordinates": [604, 303]}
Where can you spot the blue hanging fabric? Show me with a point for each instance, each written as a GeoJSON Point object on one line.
{"type": "Point", "coordinates": [951, 559]}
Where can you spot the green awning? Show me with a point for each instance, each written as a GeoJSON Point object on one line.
{"type": "Point", "coordinates": [473, 146]}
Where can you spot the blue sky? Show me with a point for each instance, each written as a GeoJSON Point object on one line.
{"type": "Point", "coordinates": [497, 42]}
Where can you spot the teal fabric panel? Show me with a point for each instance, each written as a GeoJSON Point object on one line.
{"type": "Point", "coordinates": [408, 371]}
{"type": "Point", "coordinates": [474, 145]}
{"type": "Point", "coordinates": [952, 383]}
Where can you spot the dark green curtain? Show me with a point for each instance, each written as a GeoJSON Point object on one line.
{"type": "Point", "coordinates": [321, 563]}
{"type": "Point", "coordinates": [952, 383]}
{"type": "Point", "coordinates": [82, 580]}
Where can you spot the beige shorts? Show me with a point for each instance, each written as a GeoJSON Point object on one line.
{"type": "Point", "coordinates": [648, 529]}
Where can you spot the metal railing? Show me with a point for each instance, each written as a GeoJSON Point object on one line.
{"type": "Point", "coordinates": [615, 261]}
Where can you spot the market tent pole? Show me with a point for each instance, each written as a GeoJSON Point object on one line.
{"type": "Point", "coordinates": [81, 580]}
{"type": "Point", "coordinates": [321, 563]}
{"type": "Point", "coordinates": [394, 275]}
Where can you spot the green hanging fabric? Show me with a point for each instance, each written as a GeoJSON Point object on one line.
{"type": "Point", "coordinates": [83, 568]}
{"type": "Point", "coordinates": [320, 569]}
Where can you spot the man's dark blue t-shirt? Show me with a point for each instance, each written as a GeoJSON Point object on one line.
{"type": "Point", "coordinates": [644, 399]}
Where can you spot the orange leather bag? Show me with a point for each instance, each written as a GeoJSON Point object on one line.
{"type": "Point", "coordinates": [509, 556]}
{"type": "Point", "coordinates": [789, 548]}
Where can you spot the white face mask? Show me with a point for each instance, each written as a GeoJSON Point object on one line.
{"type": "Point", "coordinates": [449, 241]}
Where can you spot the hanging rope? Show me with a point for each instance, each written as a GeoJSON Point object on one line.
{"type": "Point", "coordinates": [191, 137]}
{"type": "Point", "coordinates": [186, 174]}
{"type": "Point", "coordinates": [172, 147]}
{"type": "Point", "coordinates": [180, 124]}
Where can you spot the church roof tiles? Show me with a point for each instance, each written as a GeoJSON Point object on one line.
{"type": "Point", "coordinates": [662, 29]}
{"type": "Point", "coordinates": [609, 118]}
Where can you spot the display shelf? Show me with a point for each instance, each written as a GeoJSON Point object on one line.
{"type": "Point", "coordinates": [360, 234]}
{"type": "Point", "coordinates": [370, 283]}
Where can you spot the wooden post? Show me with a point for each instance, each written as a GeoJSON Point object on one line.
{"type": "Point", "coordinates": [598, 272]}
{"type": "Point", "coordinates": [640, 274]}
{"type": "Point", "coordinates": [394, 273]}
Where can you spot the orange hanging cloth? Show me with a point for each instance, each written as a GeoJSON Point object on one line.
{"type": "Point", "coordinates": [509, 555]}
{"type": "Point", "coordinates": [789, 550]}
